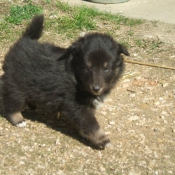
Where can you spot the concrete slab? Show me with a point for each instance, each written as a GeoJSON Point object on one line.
{"type": "Point", "coordinates": [157, 10]}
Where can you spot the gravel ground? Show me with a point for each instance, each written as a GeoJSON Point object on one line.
{"type": "Point", "coordinates": [138, 116]}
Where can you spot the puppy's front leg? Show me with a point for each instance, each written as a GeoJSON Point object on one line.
{"type": "Point", "coordinates": [89, 128]}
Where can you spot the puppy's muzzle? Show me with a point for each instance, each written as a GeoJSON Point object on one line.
{"type": "Point", "coordinates": [96, 89]}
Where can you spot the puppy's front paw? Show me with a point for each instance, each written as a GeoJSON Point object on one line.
{"type": "Point", "coordinates": [98, 138]}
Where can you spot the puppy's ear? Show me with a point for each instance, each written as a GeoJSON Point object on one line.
{"type": "Point", "coordinates": [122, 49]}
{"type": "Point", "coordinates": [74, 48]}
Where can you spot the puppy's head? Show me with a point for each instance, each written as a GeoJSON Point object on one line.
{"type": "Point", "coordinates": [97, 62]}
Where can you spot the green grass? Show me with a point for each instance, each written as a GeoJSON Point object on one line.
{"type": "Point", "coordinates": [47, 1]}
{"type": "Point", "coordinates": [7, 31]}
{"type": "Point", "coordinates": [64, 7]}
{"type": "Point", "coordinates": [84, 18]}
{"type": "Point", "coordinates": [70, 20]}
{"type": "Point", "coordinates": [80, 18]}
{"type": "Point", "coordinates": [15, 17]}
{"type": "Point", "coordinates": [152, 44]}
{"type": "Point", "coordinates": [19, 13]}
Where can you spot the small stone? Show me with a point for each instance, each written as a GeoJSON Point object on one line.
{"type": "Point", "coordinates": [125, 85]}
{"type": "Point", "coordinates": [165, 121]}
{"type": "Point", "coordinates": [173, 56]}
{"type": "Point", "coordinates": [156, 173]}
{"type": "Point", "coordinates": [118, 129]}
{"type": "Point", "coordinates": [155, 130]}
{"type": "Point", "coordinates": [134, 117]}
{"type": "Point", "coordinates": [102, 168]}
{"type": "Point", "coordinates": [108, 100]}
{"type": "Point", "coordinates": [164, 112]}
{"type": "Point", "coordinates": [111, 123]}
{"type": "Point", "coordinates": [166, 156]}
{"type": "Point", "coordinates": [126, 80]}
{"type": "Point", "coordinates": [57, 142]}
{"type": "Point", "coordinates": [21, 163]}
{"type": "Point", "coordinates": [154, 109]}
{"type": "Point", "coordinates": [103, 112]}
{"type": "Point", "coordinates": [170, 172]}
{"type": "Point", "coordinates": [132, 95]}
{"type": "Point", "coordinates": [162, 117]}
{"type": "Point", "coordinates": [53, 17]}
{"type": "Point", "coordinates": [165, 85]}
{"type": "Point", "coordinates": [157, 103]}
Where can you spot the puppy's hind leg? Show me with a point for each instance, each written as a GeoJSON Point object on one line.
{"type": "Point", "coordinates": [16, 119]}
{"type": "Point", "coordinates": [13, 105]}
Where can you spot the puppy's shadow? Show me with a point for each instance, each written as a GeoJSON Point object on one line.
{"type": "Point", "coordinates": [49, 118]}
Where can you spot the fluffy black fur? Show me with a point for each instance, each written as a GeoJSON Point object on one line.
{"type": "Point", "coordinates": [72, 80]}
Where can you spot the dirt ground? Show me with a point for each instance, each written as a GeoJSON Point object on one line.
{"type": "Point", "coordinates": [138, 116]}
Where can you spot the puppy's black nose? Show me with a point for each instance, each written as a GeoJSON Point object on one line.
{"type": "Point", "coordinates": [96, 88]}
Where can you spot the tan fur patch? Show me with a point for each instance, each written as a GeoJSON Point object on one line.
{"type": "Point", "coordinates": [105, 64]}
{"type": "Point", "coordinates": [88, 63]}
{"type": "Point", "coordinates": [16, 118]}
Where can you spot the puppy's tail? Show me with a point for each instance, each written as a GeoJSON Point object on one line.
{"type": "Point", "coordinates": [35, 28]}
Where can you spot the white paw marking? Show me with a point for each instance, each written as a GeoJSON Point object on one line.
{"type": "Point", "coordinates": [22, 124]}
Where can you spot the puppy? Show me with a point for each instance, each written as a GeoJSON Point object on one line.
{"type": "Point", "coordinates": [71, 80]}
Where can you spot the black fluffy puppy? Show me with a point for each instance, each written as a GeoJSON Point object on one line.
{"type": "Point", "coordinates": [72, 80]}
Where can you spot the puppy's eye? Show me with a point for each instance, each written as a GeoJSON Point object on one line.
{"type": "Point", "coordinates": [106, 69]}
